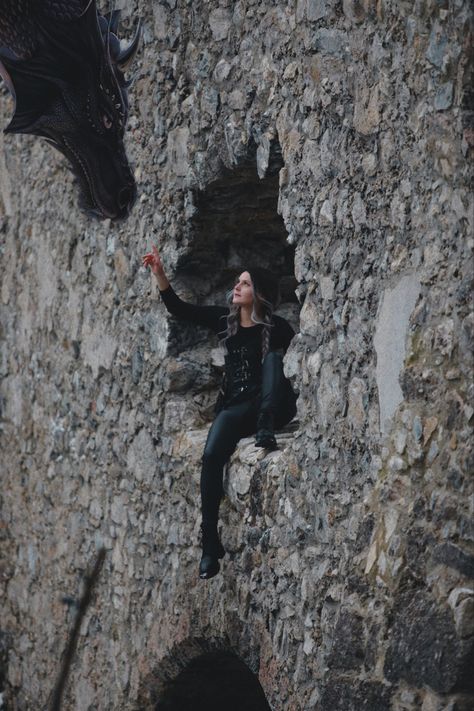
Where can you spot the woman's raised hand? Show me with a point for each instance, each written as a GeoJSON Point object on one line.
{"type": "Point", "coordinates": [153, 260]}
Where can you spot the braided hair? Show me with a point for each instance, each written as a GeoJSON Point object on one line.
{"type": "Point", "coordinates": [266, 298]}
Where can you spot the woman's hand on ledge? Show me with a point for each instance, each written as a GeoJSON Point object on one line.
{"type": "Point", "coordinates": [153, 260]}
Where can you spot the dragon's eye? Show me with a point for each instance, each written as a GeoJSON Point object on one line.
{"type": "Point", "coordinates": [107, 121]}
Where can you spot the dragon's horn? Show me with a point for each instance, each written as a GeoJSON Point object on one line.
{"type": "Point", "coordinates": [113, 19]}
{"type": "Point", "coordinates": [127, 55]}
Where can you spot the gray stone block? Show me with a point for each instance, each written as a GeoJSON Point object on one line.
{"type": "Point", "coordinates": [342, 695]}
{"type": "Point", "coordinates": [424, 648]}
{"type": "Point", "coordinates": [455, 557]}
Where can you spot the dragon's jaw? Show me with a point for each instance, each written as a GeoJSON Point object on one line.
{"type": "Point", "coordinates": [95, 197]}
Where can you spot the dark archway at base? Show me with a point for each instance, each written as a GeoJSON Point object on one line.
{"type": "Point", "coordinates": [214, 681]}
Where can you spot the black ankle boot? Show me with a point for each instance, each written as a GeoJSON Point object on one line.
{"type": "Point", "coordinates": [265, 436]}
{"type": "Point", "coordinates": [212, 550]}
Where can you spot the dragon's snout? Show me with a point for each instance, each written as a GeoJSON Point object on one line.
{"type": "Point", "coordinates": [126, 200]}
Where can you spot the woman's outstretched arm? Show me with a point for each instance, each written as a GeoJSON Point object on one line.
{"type": "Point", "coordinates": [153, 260]}
{"type": "Point", "coordinates": [212, 317]}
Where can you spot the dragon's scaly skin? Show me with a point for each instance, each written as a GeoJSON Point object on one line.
{"type": "Point", "coordinates": [21, 21]}
{"type": "Point", "coordinates": [64, 65]}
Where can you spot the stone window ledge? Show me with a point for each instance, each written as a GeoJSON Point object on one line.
{"type": "Point", "coordinates": [241, 468]}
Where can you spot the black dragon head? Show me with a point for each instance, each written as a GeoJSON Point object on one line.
{"type": "Point", "coordinates": [71, 90]}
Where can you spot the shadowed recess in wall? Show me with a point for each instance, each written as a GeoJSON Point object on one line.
{"type": "Point", "coordinates": [235, 223]}
{"type": "Point", "coordinates": [214, 681]}
{"type": "Point", "coordinates": [236, 220]}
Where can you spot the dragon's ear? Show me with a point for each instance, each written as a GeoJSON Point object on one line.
{"type": "Point", "coordinates": [32, 93]}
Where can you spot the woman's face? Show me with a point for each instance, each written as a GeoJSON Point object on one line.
{"type": "Point", "coordinates": [243, 290]}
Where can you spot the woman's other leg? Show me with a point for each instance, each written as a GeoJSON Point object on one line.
{"type": "Point", "coordinates": [226, 430]}
{"type": "Point", "coordinates": [277, 402]}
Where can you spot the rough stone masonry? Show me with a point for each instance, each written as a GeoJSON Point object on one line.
{"type": "Point", "coordinates": [332, 141]}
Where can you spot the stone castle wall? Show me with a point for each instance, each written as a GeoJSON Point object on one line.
{"type": "Point", "coordinates": [330, 140]}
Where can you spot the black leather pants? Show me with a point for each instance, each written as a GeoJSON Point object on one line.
{"type": "Point", "coordinates": [240, 420]}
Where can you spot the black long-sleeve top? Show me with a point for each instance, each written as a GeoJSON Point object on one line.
{"type": "Point", "coordinates": [243, 360]}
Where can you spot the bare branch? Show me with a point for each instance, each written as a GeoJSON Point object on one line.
{"type": "Point", "coordinates": [90, 581]}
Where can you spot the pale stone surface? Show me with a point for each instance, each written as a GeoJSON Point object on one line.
{"type": "Point", "coordinates": [366, 109]}
{"type": "Point", "coordinates": [329, 394]}
{"type": "Point", "coordinates": [326, 212]}
{"type": "Point", "coordinates": [357, 395]}
{"type": "Point", "coordinates": [390, 339]}
{"type": "Point", "coordinates": [178, 150]}
{"type": "Point", "coordinates": [220, 21]}
{"type": "Point", "coordinates": [98, 348]}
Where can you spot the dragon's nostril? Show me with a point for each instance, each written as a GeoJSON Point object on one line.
{"type": "Point", "coordinates": [126, 197]}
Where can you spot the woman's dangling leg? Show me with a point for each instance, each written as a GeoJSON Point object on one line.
{"type": "Point", "coordinates": [225, 432]}
{"type": "Point", "coordinates": [222, 439]}
{"type": "Point", "coordinates": [277, 402]}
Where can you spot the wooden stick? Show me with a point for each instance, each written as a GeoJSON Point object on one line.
{"type": "Point", "coordinates": [90, 581]}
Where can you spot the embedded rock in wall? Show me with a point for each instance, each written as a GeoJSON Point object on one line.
{"type": "Point", "coordinates": [330, 141]}
{"type": "Point", "coordinates": [390, 337]}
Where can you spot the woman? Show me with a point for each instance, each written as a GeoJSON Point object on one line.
{"type": "Point", "coordinates": [255, 396]}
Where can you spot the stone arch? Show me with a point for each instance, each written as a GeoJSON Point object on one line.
{"type": "Point", "coordinates": [205, 673]}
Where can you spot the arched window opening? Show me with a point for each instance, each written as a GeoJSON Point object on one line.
{"type": "Point", "coordinates": [214, 681]}
{"type": "Point", "coordinates": [235, 224]}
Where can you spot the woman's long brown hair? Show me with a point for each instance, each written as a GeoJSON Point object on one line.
{"type": "Point", "coordinates": [262, 314]}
